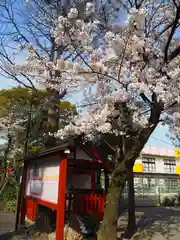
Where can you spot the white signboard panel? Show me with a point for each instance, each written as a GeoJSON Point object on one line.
{"type": "Point", "coordinates": [42, 181]}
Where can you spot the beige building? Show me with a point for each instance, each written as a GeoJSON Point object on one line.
{"type": "Point", "coordinates": [157, 174]}
{"type": "Point", "coordinates": [160, 165]}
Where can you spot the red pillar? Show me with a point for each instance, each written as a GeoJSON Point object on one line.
{"type": "Point", "coordinates": [23, 200]}
{"type": "Point", "coordinates": [61, 200]}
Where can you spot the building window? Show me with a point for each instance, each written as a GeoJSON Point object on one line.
{"type": "Point", "coordinates": [171, 183]}
{"type": "Point", "coordinates": [148, 182]}
{"type": "Point", "coordinates": [149, 165]}
{"type": "Point", "coordinates": [169, 166]}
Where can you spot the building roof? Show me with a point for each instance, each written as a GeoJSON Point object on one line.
{"type": "Point", "coordinates": [49, 154]}
{"type": "Point", "coordinates": [149, 150]}
{"type": "Point", "coordinates": [49, 151]}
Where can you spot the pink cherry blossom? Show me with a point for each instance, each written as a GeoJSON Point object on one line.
{"type": "Point", "coordinates": [134, 63]}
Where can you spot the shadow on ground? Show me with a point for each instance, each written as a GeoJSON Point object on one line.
{"type": "Point", "coordinates": [158, 223]}
{"type": "Point", "coordinates": [153, 223]}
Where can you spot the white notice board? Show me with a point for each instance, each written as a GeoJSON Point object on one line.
{"type": "Point", "coordinates": [42, 181]}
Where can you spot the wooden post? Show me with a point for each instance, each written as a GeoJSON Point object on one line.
{"type": "Point", "coordinates": [61, 200]}
{"type": "Point", "coordinates": [21, 206]}
{"type": "Point", "coordinates": [23, 200]}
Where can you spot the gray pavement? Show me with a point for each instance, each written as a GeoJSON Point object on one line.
{"type": "Point", "coordinates": [154, 223]}
{"type": "Point", "coordinates": [7, 222]}
{"type": "Point", "coordinates": [157, 223]}
{"type": "Point", "coordinates": [160, 223]}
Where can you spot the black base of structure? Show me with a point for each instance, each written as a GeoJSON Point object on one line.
{"type": "Point", "coordinates": [7, 235]}
{"type": "Point", "coordinates": [10, 234]}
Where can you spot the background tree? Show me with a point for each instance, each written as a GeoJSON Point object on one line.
{"type": "Point", "coordinates": [14, 112]}
{"type": "Point", "coordinates": [175, 135]}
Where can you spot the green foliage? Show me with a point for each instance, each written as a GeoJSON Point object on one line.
{"type": "Point", "coordinates": [67, 106]}
{"type": "Point", "coordinates": [11, 206]}
{"type": "Point", "coordinates": [178, 199]}
{"type": "Point", "coordinates": [169, 201]}
{"type": "Point", "coordinates": [10, 192]}
{"type": "Point", "coordinates": [34, 149]}
{"type": "Point", "coordinates": [9, 197]}
{"type": "Point", "coordinates": [18, 99]}
{"type": "Point", "coordinates": [15, 105]}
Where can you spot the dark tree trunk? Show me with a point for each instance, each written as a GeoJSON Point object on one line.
{"type": "Point", "coordinates": [108, 227]}
{"type": "Point", "coordinates": [131, 228]}
{"type": "Point", "coordinates": [106, 180]}
{"type": "Point", "coordinates": [130, 149]}
{"type": "Point", "coordinates": [53, 116]}
{"type": "Point", "coordinates": [53, 112]}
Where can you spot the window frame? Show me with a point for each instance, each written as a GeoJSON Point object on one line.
{"type": "Point", "coordinates": [149, 164]}
{"type": "Point", "coordinates": [169, 165]}
{"type": "Point", "coordinates": [171, 183]}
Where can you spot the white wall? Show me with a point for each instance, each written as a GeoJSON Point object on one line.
{"type": "Point", "coordinates": [139, 160]}
{"type": "Point", "coordinates": [159, 165]}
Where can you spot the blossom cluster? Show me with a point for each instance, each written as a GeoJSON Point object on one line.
{"type": "Point", "coordinates": [127, 62]}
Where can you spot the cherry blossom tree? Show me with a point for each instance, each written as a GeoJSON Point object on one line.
{"type": "Point", "coordinates": [176, 141]}
{"type": "Point", "coordinates": [24, 24]}
{"type": "Point", "coordinates": [175, 137]}
{"type": "Point", "coordinates": [132, 74]}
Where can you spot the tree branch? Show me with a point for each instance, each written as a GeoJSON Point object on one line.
{"type": "Point", "coordinates": [174, 54]}
{"type": "Point", "coordinates": [173, 29]}
{"type": "Point", "coordinates": [145, 99]}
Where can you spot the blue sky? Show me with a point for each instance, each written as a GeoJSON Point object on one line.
{"type": "Point", "coordinates": [158, 138]}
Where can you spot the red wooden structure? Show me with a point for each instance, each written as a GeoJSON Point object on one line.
{"type": "Point", "coordinates": [71, 187]}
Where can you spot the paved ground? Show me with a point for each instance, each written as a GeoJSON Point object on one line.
{"type": "Point", "coordinates": [161, 223]}
{"type": "Point", "coordinates": [158, 223]}
{"type": "Point", "coordinates": [7, 222]}
{"type": "Point", "coordinates": [154, 223]}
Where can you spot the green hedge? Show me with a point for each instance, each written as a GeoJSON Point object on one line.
{"type": "Point", "coordinates": [9, 197]}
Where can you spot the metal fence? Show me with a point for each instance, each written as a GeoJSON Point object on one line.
{"type": "Point", "coordinates": [153, 196]}
{"type": "Point", "coordinates": [153, 192]}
